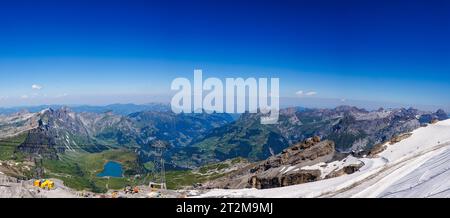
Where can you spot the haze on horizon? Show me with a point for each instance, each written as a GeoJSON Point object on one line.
{"type": "Point", "coordinates": [364, 53]}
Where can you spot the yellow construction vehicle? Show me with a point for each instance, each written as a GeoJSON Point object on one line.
{"type": "Point", "coordinates": [44, 184]}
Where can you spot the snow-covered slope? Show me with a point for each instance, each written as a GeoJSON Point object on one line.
{"type": "Point", "coordinates": [415, 167]}
{"type": "Point", "coordinates": [431, 179]}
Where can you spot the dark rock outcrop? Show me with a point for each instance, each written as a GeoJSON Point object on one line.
{"type": "Point", "coordinates": [278, 170]}
{"type": "Point", "coordinates": [305, 153]}
{"type": "Point", "coordinates": [378, 148]}
{"type": "Point", "coordinates": [439, 115]}
{"type": "Point", "coordinates": [291, 178]}
{"type": "Point", "coordinates": [41, 142]}
{"type": "Point", "coordinates": [273, 172]}
{"type": "Point", "coordinates": [352, 168]}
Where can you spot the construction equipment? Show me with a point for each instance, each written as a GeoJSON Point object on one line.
{"type": "Point", "coordinates": [44, 184]}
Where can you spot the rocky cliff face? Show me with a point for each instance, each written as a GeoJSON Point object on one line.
{"type": "Point", "coordinates": [290, 178]}
{"type": "Point", "coordinates": [57, 131]}
{"type": "Point", "coordinates": [283, 169]}
{"type": "Point", "coordinates": [306, 153]}
{"type": "Point", "coordinates": [41, 141]}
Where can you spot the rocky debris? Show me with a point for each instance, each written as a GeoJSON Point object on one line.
{"type": "Point", "coordinates": [399, 138]}
{"type": "Point", "coordinates": [16, 169]}
{"type": "Point", "coordinates": [142, 192]}
{"type": "Point", "coordinates": [349, 169]}
{"type": "Point", "coordinates": [378, 148]}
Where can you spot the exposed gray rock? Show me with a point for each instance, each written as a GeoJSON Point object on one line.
{"type": "Point", "coordinates": [290, 178]}
{"type": "Point", "coordinates": [282, 169]}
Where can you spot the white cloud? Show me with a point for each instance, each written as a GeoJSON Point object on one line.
{"type": "Point", "coordinates": [24, 96]}
{"type": "Point", "coordinates": [302, 93]}
{"type": "Point", "coordinates": [310, 93]}
{"type": "Point", "coordinates": [36, 87]}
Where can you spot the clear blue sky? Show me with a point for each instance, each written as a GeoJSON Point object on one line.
{"type": "Point", "coordinates": [127, 51]}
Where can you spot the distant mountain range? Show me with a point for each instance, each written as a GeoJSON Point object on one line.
{"type": "Point", "coordinates": [56, 139]}
{"type": "Point", "coordinates": [49, 132]}
{"type": "Point", "coordinates": [196, 139]}
{"type": "Point", "coordinates": [121, 109]}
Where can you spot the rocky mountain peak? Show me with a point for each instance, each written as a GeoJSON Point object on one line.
{"type": "Point", "coordinates": [22, 112]}
{"type": "Point", "coordinates": [441, 114]}
{"type": "Point", "coordinates": [64, 109]}
{"type": "Point", "coordinates": [349, 109]}
{"type": "Point", "coordinates": [46, 111]}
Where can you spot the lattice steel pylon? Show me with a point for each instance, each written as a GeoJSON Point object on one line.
{"type": "Point", "coordinates": [159, 172]}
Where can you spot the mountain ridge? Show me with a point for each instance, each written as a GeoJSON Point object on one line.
{"type": "Point", "coordinates": [354, 130]}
